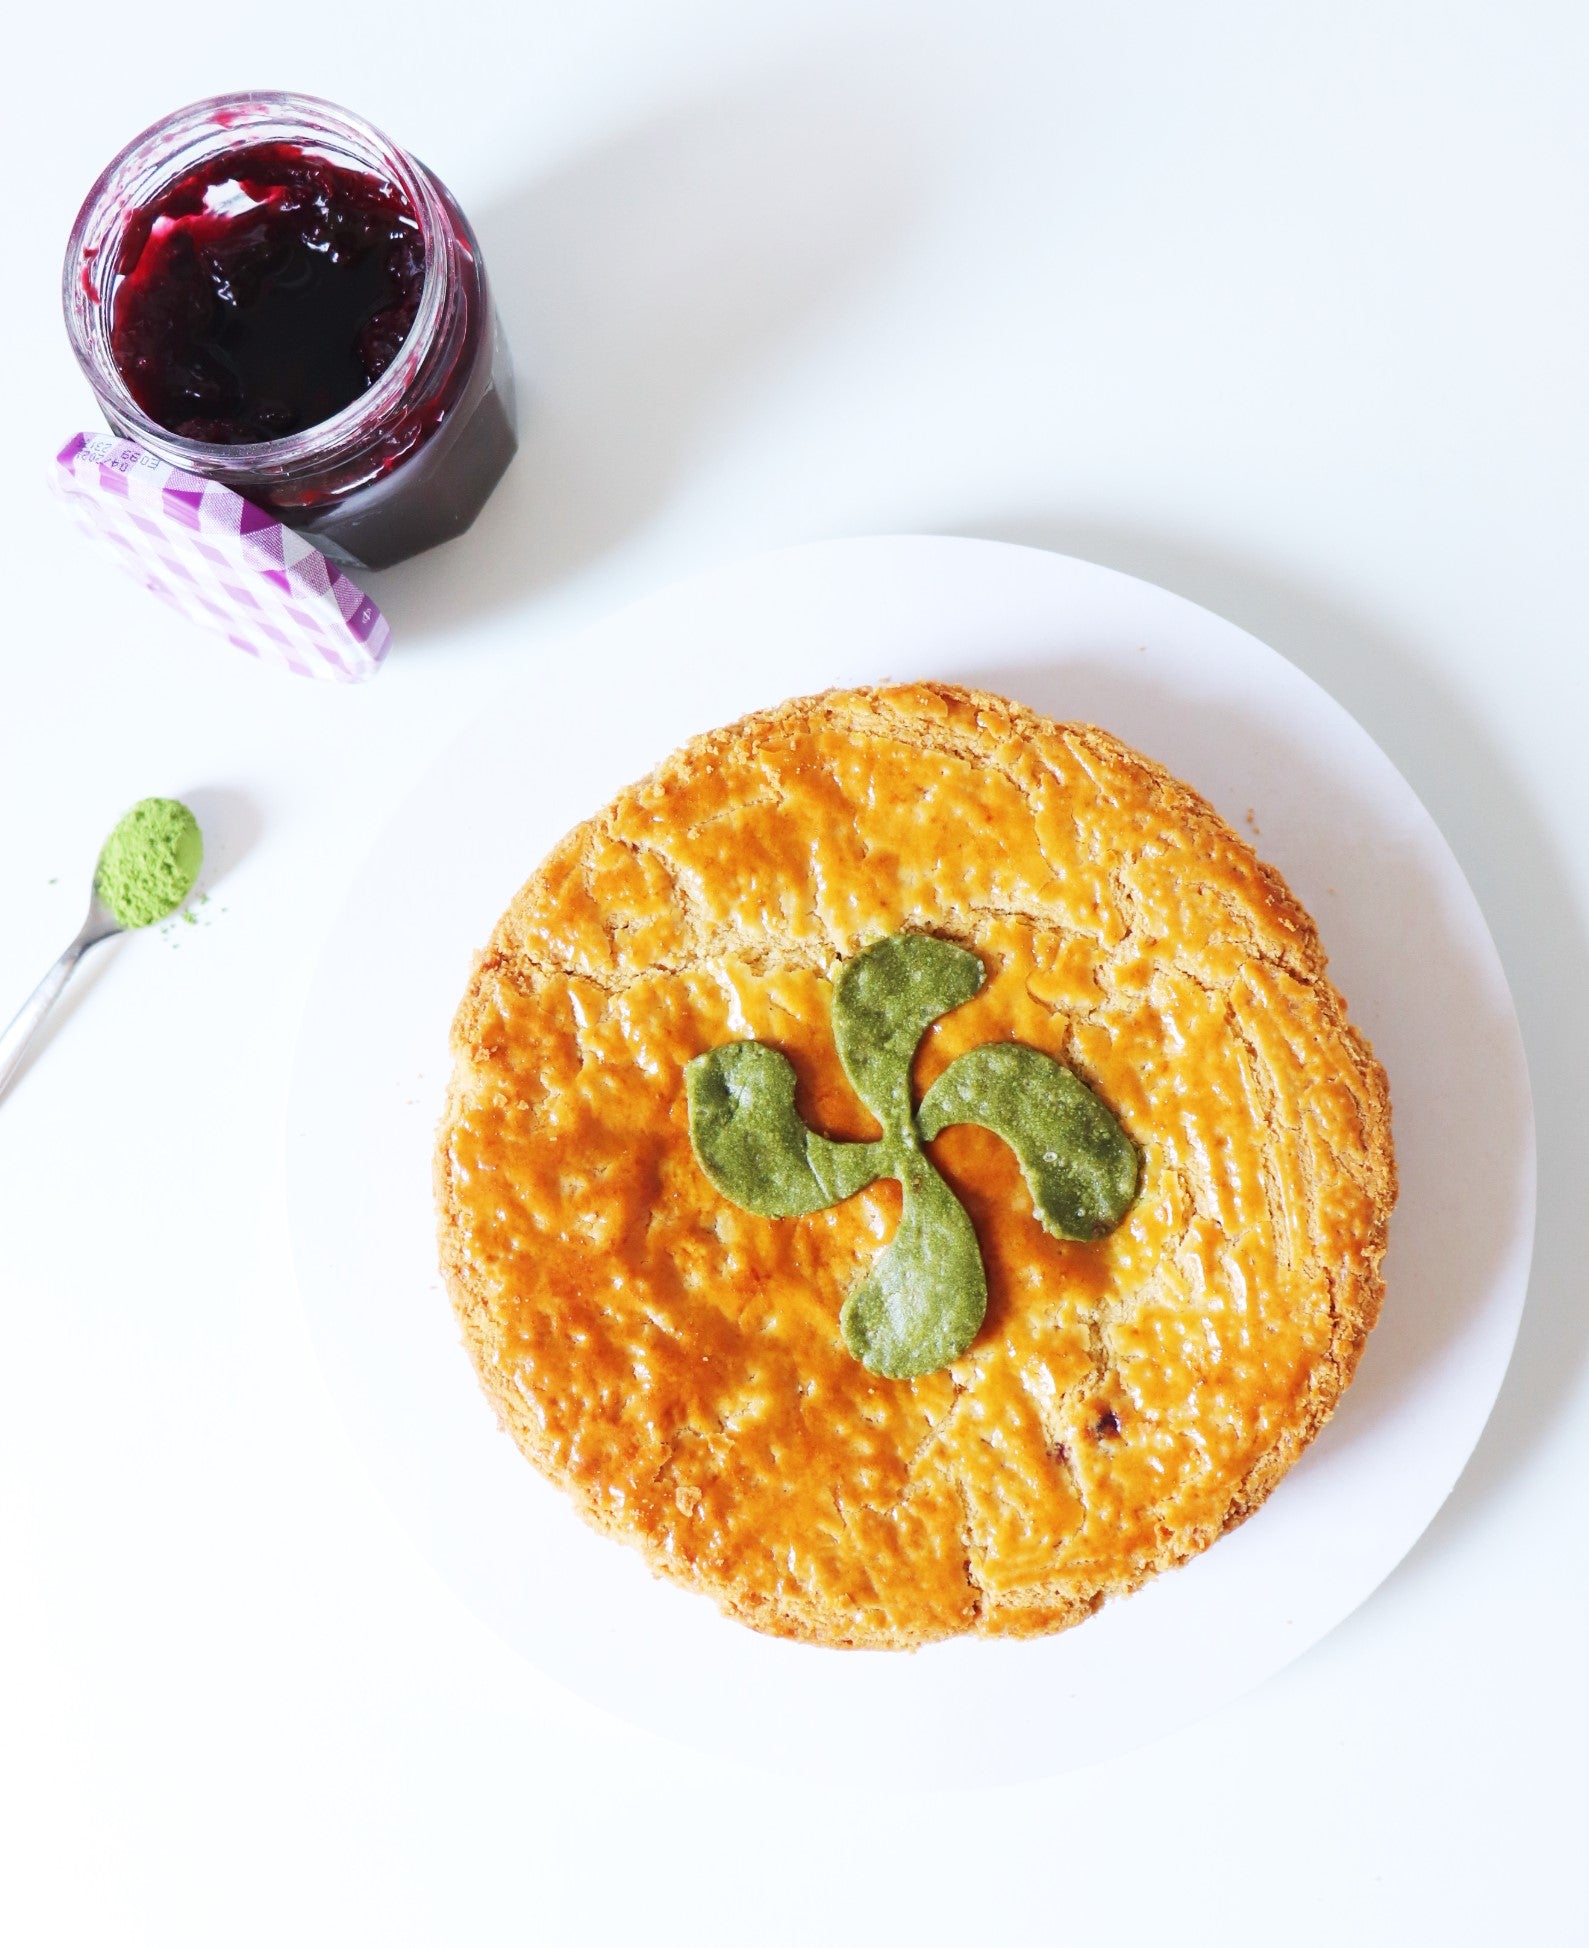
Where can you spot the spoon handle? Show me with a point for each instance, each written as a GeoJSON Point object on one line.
{"type": "Point", "coordinates": [29, 1017]}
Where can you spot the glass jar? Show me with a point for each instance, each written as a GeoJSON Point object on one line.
{"type": "Point", "coordinates": [411, 460]}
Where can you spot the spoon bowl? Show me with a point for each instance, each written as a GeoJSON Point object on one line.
{"type": "Point", "coordinates": [145, 870]}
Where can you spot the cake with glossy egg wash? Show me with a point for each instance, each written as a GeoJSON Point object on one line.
{"type": "Point", "coordinates": [906, 1170]}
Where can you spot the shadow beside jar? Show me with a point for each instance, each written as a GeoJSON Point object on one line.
{"type": "Point", "coordinates": [640, 286]}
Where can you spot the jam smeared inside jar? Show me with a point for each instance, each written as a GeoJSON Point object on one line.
{"type": "Point", "coordinates": [264, 290]}
{"type": "Point", "coordinates": [262, 293]}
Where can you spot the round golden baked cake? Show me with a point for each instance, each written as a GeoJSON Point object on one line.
{"type": "Point", "coordinates": [699, 1375]}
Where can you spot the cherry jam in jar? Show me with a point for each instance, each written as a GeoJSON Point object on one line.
{"type": "Point", "coordinates": [263, 290]}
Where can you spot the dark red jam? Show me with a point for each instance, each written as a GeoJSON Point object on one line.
{"type": "Point", "coordinates": [263, 292]}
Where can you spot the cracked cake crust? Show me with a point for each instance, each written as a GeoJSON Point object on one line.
{"type": "Point", "coordinates": [675, 1363]}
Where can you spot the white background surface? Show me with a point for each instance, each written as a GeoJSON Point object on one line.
{"type": "Point", "coordinates": [1284, 307]}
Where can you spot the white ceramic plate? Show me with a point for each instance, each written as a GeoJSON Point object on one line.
{"type": "Point", "coordinates": [1408, 947]}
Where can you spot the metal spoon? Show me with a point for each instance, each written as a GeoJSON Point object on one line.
{"type": "Point", "coordinates": [100, 925]}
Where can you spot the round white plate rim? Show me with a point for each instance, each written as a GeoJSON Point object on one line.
{"type": "Point", "coordinates": [791, 1706]}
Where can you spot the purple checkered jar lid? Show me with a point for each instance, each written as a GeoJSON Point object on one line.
{"type": "Point", "coordinates": [221, 561]}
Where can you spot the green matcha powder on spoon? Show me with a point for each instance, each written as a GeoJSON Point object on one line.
{"type": "Point", "coordinates": [146, 869]}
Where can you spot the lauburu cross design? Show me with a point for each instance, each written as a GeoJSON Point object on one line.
{"type": "Point", "coordinates": [924, 1299]}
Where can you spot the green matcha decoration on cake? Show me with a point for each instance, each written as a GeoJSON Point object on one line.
{"type": "Point", "coordinates": [924, 1300]}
